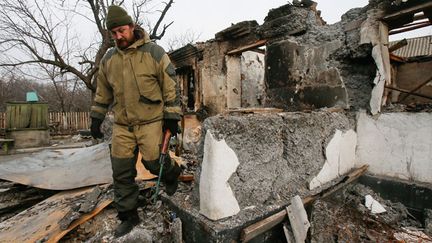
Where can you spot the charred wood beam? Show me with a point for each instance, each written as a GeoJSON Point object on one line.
{"type": "Point", "coordinates": [413, 24]}
{"type": "Point", "coordinates": [396, 58]}
{"type": "Point", "coordinates": [412, 92]}
{"type": "Point", "coordinates": [398, 45]}
{"type": "Point", "coordinates": [409, 93]}
{"type": "Point", "coordinates": [407, 11]}
{"type": "Point", "coordinates": [419, 17]}
{"type": "Point", "coordinates": [247, 47]}
{"type": "Point", "coordinates": [410, 27]}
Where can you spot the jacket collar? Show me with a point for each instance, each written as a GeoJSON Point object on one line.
{"type": "Point", "coordinates": [141, 36]}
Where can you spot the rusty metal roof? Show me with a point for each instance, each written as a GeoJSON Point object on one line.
{"type": "Point", "coordinates": [420, 46]}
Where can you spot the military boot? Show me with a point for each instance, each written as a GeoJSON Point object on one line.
{"type": "Point", "coordinates": [171, 178]}
{"type": "Point", "coordinates": [128, 221]}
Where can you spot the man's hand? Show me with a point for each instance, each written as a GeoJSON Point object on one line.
{"type": "Point", "coordinates": [95, 128]}
{"type": "Point", "coordinates": [172, 125]}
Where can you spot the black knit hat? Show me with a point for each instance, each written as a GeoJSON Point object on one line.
{"type": "Point", "coordinates": [117, 16]}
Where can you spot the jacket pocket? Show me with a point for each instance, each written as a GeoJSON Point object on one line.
{"type": "Point", "coordinates": [148, 101]}
{"type": "Point", "coordinates": [149, 90]}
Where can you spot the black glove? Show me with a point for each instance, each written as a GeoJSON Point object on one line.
{"type": "Point", "coordinates": [95, 128]}
{"type": "Point", "coordinates": [172, 125]}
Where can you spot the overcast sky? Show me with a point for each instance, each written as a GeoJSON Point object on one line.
{"type": "Point", "coordinates": [209, 17]}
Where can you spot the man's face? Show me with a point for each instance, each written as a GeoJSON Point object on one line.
{"type": "Point", "coordinates": [123, 35]}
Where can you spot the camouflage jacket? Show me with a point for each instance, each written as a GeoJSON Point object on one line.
{"type": "Point", "coordinates": [139, 82]}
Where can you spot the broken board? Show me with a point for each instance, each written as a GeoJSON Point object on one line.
{"type": "Point", "coordinates": [298, 219]}
{"type": "Point", "coordinates": [262, 226]}
{"type": "Point", "coordinates": [42, 221]}
{"type": "Point", "coordinates": [254, 110]}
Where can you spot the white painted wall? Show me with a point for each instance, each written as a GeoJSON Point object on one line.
{"type": "Point", "coordinates": [340, 158]}
{"type": "Point", "coordinates": [396, 145]}
{"type": "Point", "coordinates": [217, 200]}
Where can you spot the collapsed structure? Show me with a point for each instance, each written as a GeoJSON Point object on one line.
{"type": "Point", "coordinates": [290, 111]}
{"type": "Point", "coordinates": [345, 93]}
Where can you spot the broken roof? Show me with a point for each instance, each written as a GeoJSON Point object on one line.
{"type": "Point", "coordinates": [420, 46]}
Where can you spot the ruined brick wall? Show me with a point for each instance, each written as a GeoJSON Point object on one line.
{"type": "Point", "coordinates": [311, 65]}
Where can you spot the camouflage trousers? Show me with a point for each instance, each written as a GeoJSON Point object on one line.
{"type": "Point", "coordinates": [127, 142]}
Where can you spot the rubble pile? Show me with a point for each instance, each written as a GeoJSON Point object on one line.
{"type": "Point", "coordinates": [343, 217]}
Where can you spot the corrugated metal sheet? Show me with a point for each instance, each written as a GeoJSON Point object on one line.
{"type": "Point", "coordinates": [420, 46]}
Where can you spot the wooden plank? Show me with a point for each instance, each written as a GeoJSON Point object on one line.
{"type": "Point", "coordinates": [266, 224]}
{"type": "Point", "coordinates": [398, 45]}
{"type": "Point", "coordinates": [298, 219]}
{"type": "Point", "coordinates": [186, 178]}
{"type": "Point", "coordinates": [247, 47]}
{"type": "Point", "coordinates": [411, 10]}
{"type": "Point", "coordinates": [413, 27]}
{"type": "Point", "coordinates": [396, 58]}
{"type": "Point", "coordinates": [419, 17]}
{"type": "Point", "coordinates": [142, 173]}
{"type": "Point", "coordinates": [384, 33]}
{"type": "Point", "coordinates": [58, 235]}
{"type": "Point", "coordinates": [408, 93]}
{"type": "Point", "coordinates": [262, 226]}
{"type": "Point", "coordinates": [287, 233]}
{"type": "Point", "coordinates": [255, 110]}
{"type": "Point", "coordinates": [418, 87]}
{"type": "Point", "coordinates": [42, 220]}
{"type": "Point", "coordinates": [2, 120]}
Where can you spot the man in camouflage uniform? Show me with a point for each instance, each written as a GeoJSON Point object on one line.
{"type": "Point", "coordinates": [138, 80]}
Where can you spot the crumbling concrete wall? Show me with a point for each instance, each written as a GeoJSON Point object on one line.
{"type": "Point", "coordinates": [311, 65]}
{"type": "Point", "coordinates": [396, 145]}
{"type": "Point", "coordinates": [213, 77]}
{"type": "Point", "coordinates": [278, 154]}
{"type": "Point", "coordinates": [222, 77]}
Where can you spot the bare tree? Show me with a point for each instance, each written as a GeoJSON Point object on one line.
{"type": "Point", "coordinates": [34, 32]}
{"type": "Point", "coordinates": [188, 37]}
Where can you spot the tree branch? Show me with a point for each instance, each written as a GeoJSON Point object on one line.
{"type": "Point", "coordinates": [154, 34]}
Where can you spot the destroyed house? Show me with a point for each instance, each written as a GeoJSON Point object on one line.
{"type": "Point", "coordinates": [224, 73]}
{"type": "Point", "coordinates": [294, 131]}
{"type": "Point", "coordinates": [331, 99]}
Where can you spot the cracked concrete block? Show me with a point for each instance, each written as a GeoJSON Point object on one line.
{"type": "Point", "coordinates": [217, 200]}
{"type": "Point", "coordinates": [279, 153]}
{"type": "Point", "coordinates": [340, 158]}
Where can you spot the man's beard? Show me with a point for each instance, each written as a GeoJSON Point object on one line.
{"type": "Point", "coordinates": [123, 44]}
